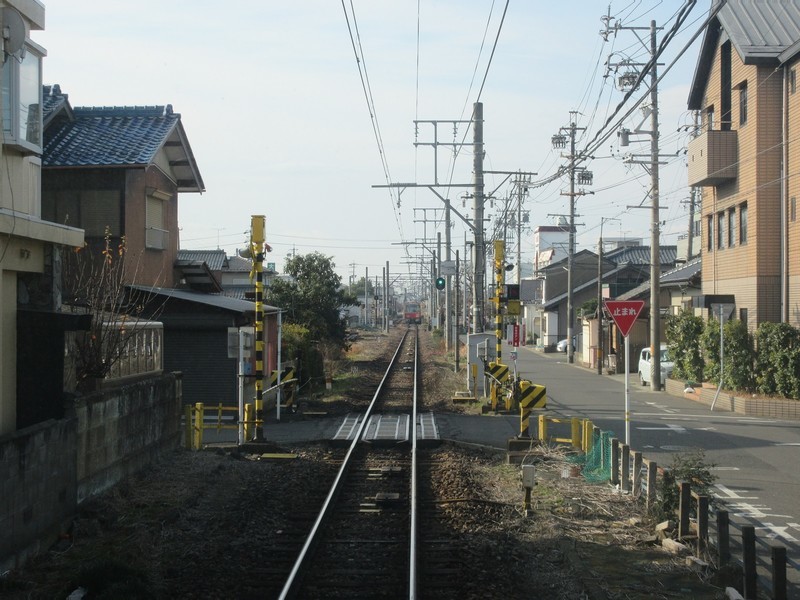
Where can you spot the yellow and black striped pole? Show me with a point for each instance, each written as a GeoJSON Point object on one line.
{"type": "Point", "coordinates": [257, 243]}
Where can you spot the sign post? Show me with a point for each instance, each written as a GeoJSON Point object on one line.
{"type": "Point", "coordinates": [624, 313]}
{"type": "Point", "coordinates": [724, 311]}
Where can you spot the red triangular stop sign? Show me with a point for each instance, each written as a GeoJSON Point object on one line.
{"type": "Point", "coordinates": [624, 313]}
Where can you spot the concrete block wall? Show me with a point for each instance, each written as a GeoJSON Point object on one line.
{"type": "Point", "coordinates": [746, 405]}
{"type": "Point", "coordinates": [122, 430]}
{"type": "Point", "coordinates": [37, 488]}
{"type": "Point", "coordinates": [48, 469]}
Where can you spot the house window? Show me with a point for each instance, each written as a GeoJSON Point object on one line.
{"type": "Point", "coordinates": [743, 103]}
{"type": "Point", "coordinates": [743, 223]}
{"type": "Point", "coordinates": [22, 99]}
{"type": "Point", "coordinates": [710, 233]}
{"type": "Point", "coordinates": [720, 230]}
{"type": "Point", "coordinates": [710, 118]}
{"type": "Point", "coordinates": [156, 235]}
{"type": "Point", "coordinates": [793, 209]}
{"type": "Point", "coordinates": [731, 227]}
{"type": "Point", "coordinates": [743, 316]}
{"type": "Point", "coordinates": [792, 81]}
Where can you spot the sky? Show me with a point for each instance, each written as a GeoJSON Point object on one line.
{"type": "Point", "coordinates": [284, 121]}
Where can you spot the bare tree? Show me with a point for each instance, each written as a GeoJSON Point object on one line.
{"type": "Point", "coordinates": [95, 282]}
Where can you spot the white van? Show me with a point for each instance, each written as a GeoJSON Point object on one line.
{"type": "Point", "coordinates": [645, 365]}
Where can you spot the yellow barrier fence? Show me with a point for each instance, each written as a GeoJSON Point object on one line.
{"type": "Point", "coordinates": [580, 432]}
{"type": "Point", "coordinates": [195, 421]}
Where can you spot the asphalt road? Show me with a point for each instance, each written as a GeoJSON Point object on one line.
{"type": "Point", "coordinates": [757, 460]}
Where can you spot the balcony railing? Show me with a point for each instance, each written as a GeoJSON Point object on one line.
{"type": "Point", "coordinates": [713, 158]}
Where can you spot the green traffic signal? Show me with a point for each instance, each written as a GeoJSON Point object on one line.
{"type": "Point", "coordinates": [440, 283]}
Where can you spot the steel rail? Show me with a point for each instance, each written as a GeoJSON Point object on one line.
{"type": "Point", "coordinates": [293, 580]}
{"type": "Point", "coordinates": [412, 559]}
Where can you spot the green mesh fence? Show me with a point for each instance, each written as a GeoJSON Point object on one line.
{"type": "Point", "coordinates": [597, 462]}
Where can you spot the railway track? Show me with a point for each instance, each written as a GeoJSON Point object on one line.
{"type": "Point", "coordinates": [363, 543]}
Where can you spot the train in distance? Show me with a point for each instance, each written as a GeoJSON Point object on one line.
{"type": "Point", "coordinates": [412, 313]}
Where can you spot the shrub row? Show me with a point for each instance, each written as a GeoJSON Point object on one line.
{"type": "Point", "coordinates": [767, 363]}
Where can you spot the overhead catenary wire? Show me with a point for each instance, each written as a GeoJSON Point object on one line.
{"type": "Point", "coordinates": [358, 51]}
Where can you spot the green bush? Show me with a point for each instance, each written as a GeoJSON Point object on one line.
{"type": "Point", "coordinates": [739, 355]}
{"type": "Point", "coordinates": [691, 467]}
{"type": "Point", "coordinates": [684, 332]}
{"type": "Point", "coordinates": [767, 362]}
{"type": "Point", "coordinates": [777, 362]}
{"type": "Point", "coordinates": [710, 344]}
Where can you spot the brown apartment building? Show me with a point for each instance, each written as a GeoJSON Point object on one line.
{"type": "Point", "coordinates": [746, 157]}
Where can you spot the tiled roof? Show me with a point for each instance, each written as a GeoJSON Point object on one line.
{"type": "Point", "coordinates": [239, 265]}
{"type": "Point", "coordinates": [215, 259]}
{"type": "Point", "coordinates": [683, 273]}
{"type": "Point", "coordinates": [110, 136]}
{"type": "Point", "coordinates": [197, 275]}
{"type": "Point", "coordinates": [640, 255]}
{"type": "Point", "coordinates": [127, 136]}
{"type": "Point", "coordinates": [54, 103]}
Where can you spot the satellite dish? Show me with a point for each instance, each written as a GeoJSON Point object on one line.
{"type": "Point", "coordinates": [14, 31]}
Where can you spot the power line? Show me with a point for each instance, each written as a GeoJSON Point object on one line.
{"type": "Point", "coordinates": [365, 85]}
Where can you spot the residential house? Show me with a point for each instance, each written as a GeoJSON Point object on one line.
{"type": "Point", "coordinates": [31, 244]}
{"type": "Point", "coordinates": [679, 290]}
{"type": "Point", "coordinates": [229, 275]}
{"type": "Point", "coordinates": [119, 172]}
{"type": "Point", "coordinates": [747, 157]}
{"type": "Point", "coordinates": [622, 269]}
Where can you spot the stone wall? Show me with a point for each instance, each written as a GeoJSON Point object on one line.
{"type": "Point", "coordinates": [48, 469]}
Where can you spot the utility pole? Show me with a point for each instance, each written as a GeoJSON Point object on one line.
{"type": "Point", "coordinates": [655, 250]}
{"type": "Point", "coordinates": [478, 250]}
{"type": "Point", "coordinates": [600, 338]}
{"type": "Point", "coordinates": [559, 141]}
{"type": "Point", "coordinates": [448, 298]}
{"type": "Point", "coordinates": [626, 80]}
{"type": "Point", "coordinates": [467, 252]}
{"type": "Point", "coordinates": [600, 301]}
{"type": "Point", "coordinates": [499, 271]}
{"type": "Point", "coordinates": [366, 296]}
{"type": "Point", "coordinates": [476, 225]}
{"type": "Point", "coordinates": [692, 198]}
{"type": "Point", "coordinates": [456, 344]}
{"type": "Point", "coordinates": [439, 309]}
